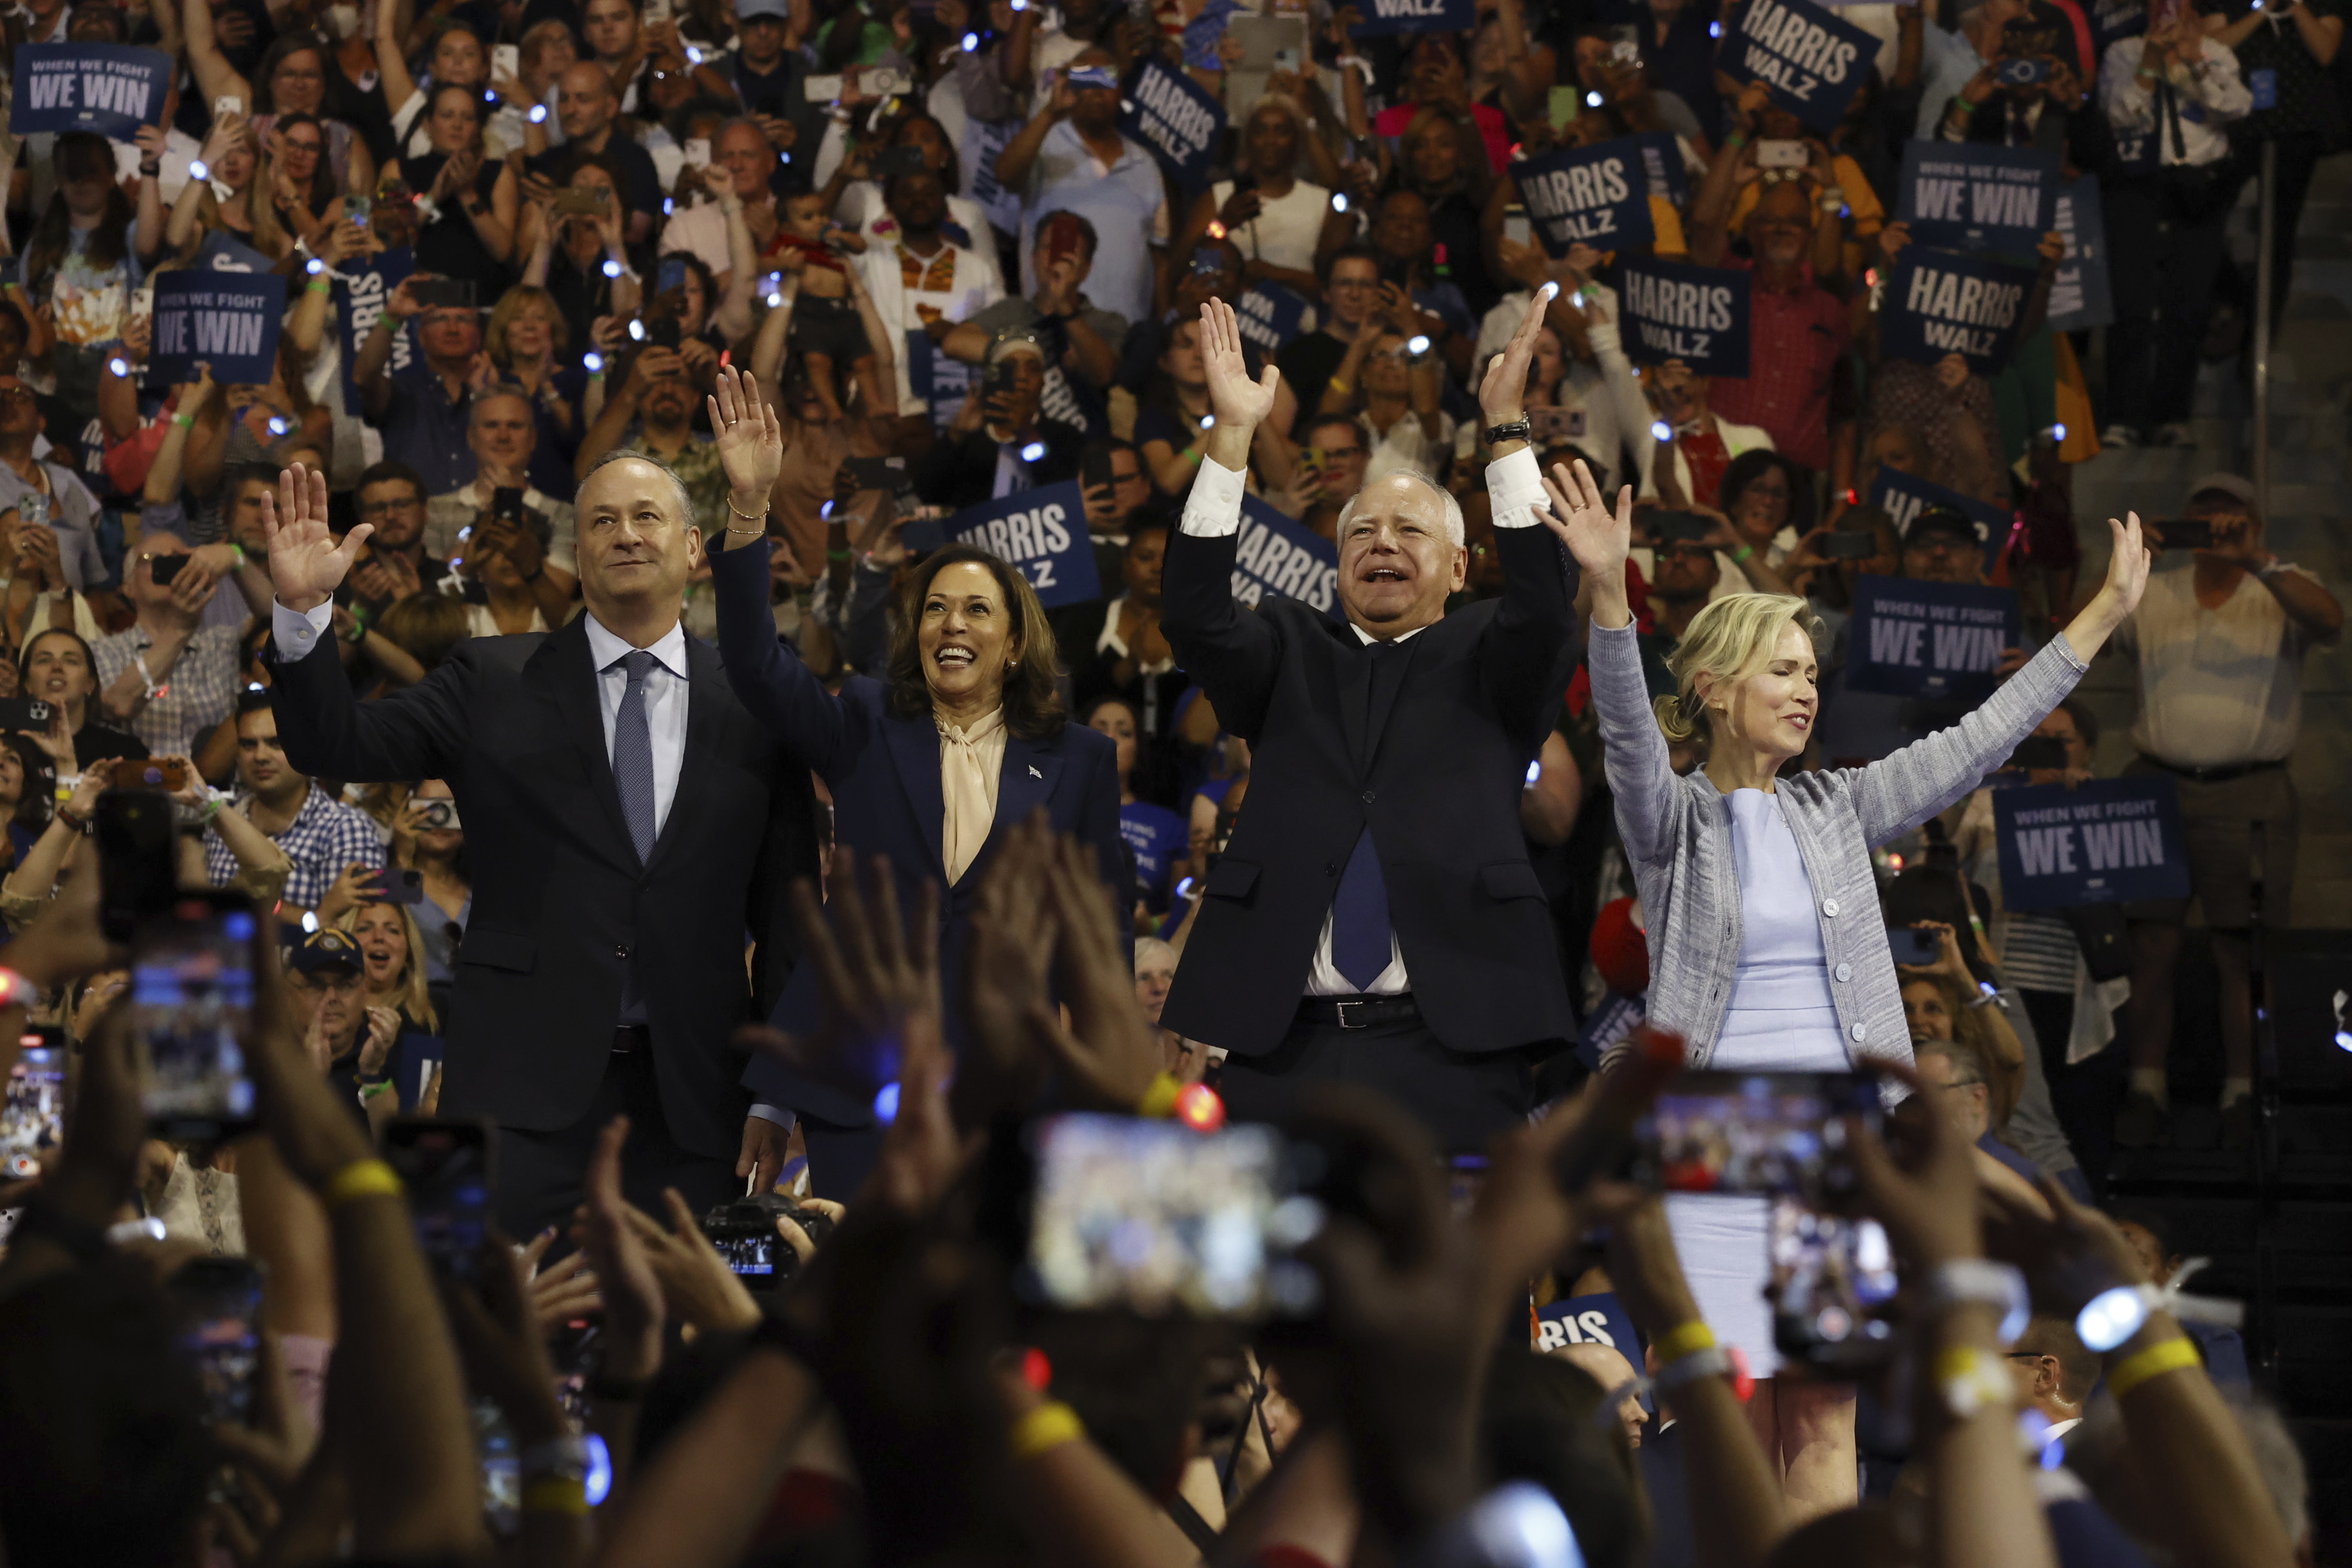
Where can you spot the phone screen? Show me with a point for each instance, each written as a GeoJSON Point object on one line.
{"type": "Point", "coordinates": [1752, 1133]}
{"type": "Point", "coordinates": [1515, 227]}
{"type": "Point", "coordinates": [2039, 752]}
{"type": "Point", "coordinates": [1847, 545]}
{"type": "Point", "coordinates": [1150, 1217]}
{"type": "Point", "coordinates": [672, 276]}
{"type": "Point", "coordinates": [1913, 946]}
{"type": "Point", "coordinates": [191, 1015]}
{"type": "Point", "coordinates": [749, 1248]}
{"type": "Point", "coordinates": [138, 871]}
{"type": "Point", "coordinates": [32, 1120]}
{"type": "Point", "coordinates": [1828, 1271]}
{"type": "Point", "coordinates": [445, 1166]}
{"type": "Point", "coordinates": [217, 1305]}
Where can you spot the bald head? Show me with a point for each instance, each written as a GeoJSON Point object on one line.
{"type": "Point", "coordinates": [586, 104]}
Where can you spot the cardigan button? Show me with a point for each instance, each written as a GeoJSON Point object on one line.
{"type": "Point", "coordinates": [1845, 972]}
{"type": "Point", "coordinates": [1829, 908]}
{"type": "Point", "coordinates": [1860, 1031]}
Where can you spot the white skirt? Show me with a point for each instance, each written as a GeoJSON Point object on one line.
{"type": "Point", "coordinates": [1720, 1239]}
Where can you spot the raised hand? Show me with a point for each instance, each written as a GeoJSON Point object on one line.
{"type": "Point", "coordinates": [751, 442]}
{"type": "Point", "coordinates": [1596, 536]}
{"type": "Point", "coordinates": [2127, 564]}
{"type": "Point", "coordinates": [1237, 401]}
{"type": "Point", "coordinates": [306, 562]}
{"type": "Point", "coordinates": [1502, 396]}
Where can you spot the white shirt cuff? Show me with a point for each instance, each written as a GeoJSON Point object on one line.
{"type": "Point", "coordinates": [774, 1113]}
{"type": "Point", "coordinates": [1514, 488]}
{"type": "Point", "coordinates": [296, 632]}
{"type": "Point", "coordinates": [1214, 509]}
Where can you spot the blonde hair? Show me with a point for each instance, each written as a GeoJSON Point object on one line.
{"type": "Point", "coordinates": [1731, 639]}
{"type": "Point", "coordinates": [408, 992]}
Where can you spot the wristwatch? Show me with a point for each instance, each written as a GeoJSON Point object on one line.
{"type": "Point", "coordinates": [1518, 429]}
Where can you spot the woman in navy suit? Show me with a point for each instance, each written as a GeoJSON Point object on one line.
{"type": "Point", "coordinates": [965, 739]}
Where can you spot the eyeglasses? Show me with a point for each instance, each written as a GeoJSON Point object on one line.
{"type": "Point", "coordinates": [289, 145]}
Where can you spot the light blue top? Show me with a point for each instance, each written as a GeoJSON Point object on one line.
{"type": "Point", "coordinates": [1783, 963]}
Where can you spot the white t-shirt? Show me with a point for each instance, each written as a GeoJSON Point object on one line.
{"type": "Point", "coordinates": [2217, 687]}
{"type": "Point", "coordinates": [1284, 232]}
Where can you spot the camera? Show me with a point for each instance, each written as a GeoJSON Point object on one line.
{"type": "Point", "coordinates": [2023, 73]}
{"type": "Point", "coordinates": [437, 816]}
{"type": "Point", "coordinates": [744, 1233]}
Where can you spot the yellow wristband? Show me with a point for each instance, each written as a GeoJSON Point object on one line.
{"type": "Point", "coordinates": [1043, 1429]}
{"type": "Point", "coordinates": [556, 1494]}
{"type": "Point", "coordinates": [1677, 1343]}
{"type": "Point", "coordinates": [360, 1179]}
{"type": "Point", "coordinates": [2171, 1355]}
{"type": "Point", "coordinates": [1340, 386]}
{"type": "Point", "coordinates": [1159, 1099]}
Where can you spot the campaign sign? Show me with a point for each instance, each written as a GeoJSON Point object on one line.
{"type": "Point", "coordinates": [1168, 113]}
{"type": "Point", "coordinates": [1973, 196]}
{"type": "Point", "coordinates": [1943, 302]}
{"type": "Point", "coordinates": [1040, 533]}
{"type": "Point", "coordinates": [1276, 555]}
{"type": "Point", "coordinates": [110, 88]}
{"type": "Point", "coordinates": [939, 379]}
{"type": "Point", "coordinates": [1383, 16]}
{"type": "Point", "coordinates": [1662, 156]}
{"type": "Point", "coordinates": [1813, 62]}
{"type": "Point", "coordinates": [2100, 842]}
{"type": "Point", "coordinates": [1928, 639]}
{"type": "Point", "coordinates": [1596, 196]}
{"type": "Point", "coordinates": [228, 320]}
{"type": "Point", "coordinates": [2080, 297]}
{"type": "Point", "coordinates": [1598, 1319]}
{"type": "Point", "coordinates": [984, 141]}
{"type": "Point", "coordinates": [1696, 314]}
{"type": "Point", "coordinates": [361, 287]}
{"type": "Point", "coordinates": [1269, 315]}
{"type": "Point", "coordinates": [1904, 497]}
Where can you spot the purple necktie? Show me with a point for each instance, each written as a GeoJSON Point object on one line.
{"type": "Point", "coordinates": [1360, 917]}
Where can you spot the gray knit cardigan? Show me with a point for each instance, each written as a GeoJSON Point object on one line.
{"type": "Point", "coordinates": [1677, 836]}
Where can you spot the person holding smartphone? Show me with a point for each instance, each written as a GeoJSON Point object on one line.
{"type": "Point", "coordinates": [1770, 953]}
{"type": "Point", "coordinates": [335, 849]}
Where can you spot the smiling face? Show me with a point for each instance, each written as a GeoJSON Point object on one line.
{"type": "Point", "coordinates": [1763, 506]}
{"type": "Point", "coordinates": [382, 936]}
{"type": "Point", "coordinates": [1781, 226]}
{"type": "Point", "coordinates": [1772, 711]}
{"type": "Point", "coordinates": [1396, 563]}
{"type": "Point", "coordinates": [530, 334]}
{"type": "Point", "coordinates": [1388, 371]}
{"type": "Point", "coordinates": [299, 84]}
{"type": "Point", "coordinates": [635, 544]}
{"type": "Point", "coordinates": [966, 636]}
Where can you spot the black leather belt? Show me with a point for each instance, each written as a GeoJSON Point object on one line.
{"type": "Point", "coordinates": [2212, 775]}
{"type": "Point", "coordinates": [627, 1037]}
{"type": "Point", "coordinates": [1357, 1011]}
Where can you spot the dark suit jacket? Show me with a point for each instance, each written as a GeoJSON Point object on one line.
{"type": "Point", "coordinates": [883, 772]}
{"type": "Point", "coordinates": [512, 723]}
{"type": "Point", "coordinates": [1440, 792]}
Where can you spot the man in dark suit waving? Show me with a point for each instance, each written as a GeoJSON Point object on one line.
{"type": "Point", "coordinates": [602, 970]}
{"type": "Point", "coordinates": [1374, 917]}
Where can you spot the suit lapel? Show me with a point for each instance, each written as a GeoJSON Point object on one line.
{"type": "Point", "coordinates": [702, 720]}
{"type": "Point", "coordinates": [563, 664]}
{"type": "Point", "coordinates": [1354, 660]}
{"type": "Point", "coordinates": [1024, 784]}
{"type": "Point", "coordinates": [914, 751]}
{"type": "Point", "coordinates": [1398, 661]}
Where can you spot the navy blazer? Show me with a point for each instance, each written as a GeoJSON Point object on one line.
{"type": "Point", "coordinates": [883, 772]}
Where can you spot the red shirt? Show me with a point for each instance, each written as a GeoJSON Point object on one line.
{"type": "Point", "coordinates": [1493, 128]}
{"type": "Point", "coordinates": [1794, 342]}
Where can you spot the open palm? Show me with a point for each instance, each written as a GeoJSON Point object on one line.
{"type": "Point", "coordinates": [1234, 398]}
{"type": "Point", "coordinates": [307, 564]}
{"type": "Point", "coordinates": [1598, 537]}
{"type": "Point", "coordinates": [751, 440]}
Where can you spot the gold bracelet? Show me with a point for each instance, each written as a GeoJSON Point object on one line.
{"type": "Point", "coordinates": [1677, 1343]}
{"type": "Point", "coordinates": [2170, 1355]}
{"type": "Point", "coordinates": [758, 517]}
{"type": "Point", "coordinates": [1044, 1429]}
{"type": "Point", "coordinates": [360, 1179]}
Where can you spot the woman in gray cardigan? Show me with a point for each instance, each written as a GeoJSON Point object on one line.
{"type": "Point", "coordinates": [1767, 950]}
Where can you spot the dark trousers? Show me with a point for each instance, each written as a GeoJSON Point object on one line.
{"type": "Point", "coordinates": [2298, 159]}
{"type": "Point", "coordinates": [839, 1158]}
{"type": "Point", "coordinates": [540, 1175]}
{"type": "Point", "coordinates": [2085, 1095]}
{"type": "Point", "coordinates": [1463, 1099]}
{"type": "Point", "coordinates": [2161, 270]}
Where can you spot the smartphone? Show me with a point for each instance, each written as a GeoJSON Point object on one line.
{"type": "Point", "coordinates": [442, 293]}
{"type": "Point", "coordinates": [670, 276]}
{"type": "Point", "coordinates": [1557, 424]}
{"type": "Point", "coordinates": [1061, 237]}
{"type": "Point", "coordinates": [880, 474]}
{"type": "Point", "coordinates": [33, 1116]}
{"type": "Point", "coordinates": [169, 774]}
{"type": "Point", "coordinates": [435, 815]}
{"type": "Point", "coordinates": [2039, 752]}
{"type": "Point", "coordinates": [164, 568]}
{"type": "Point", "coordinates": [356, 209]}
{"type": "Point", "coordinates": [1828, 1275]}
{"type": "Point", "coordinates": [2187, 532]}
{"type": "Point", "coordinates": [2032, 71]}
{"type": "Point", "coordinates": [577, 199]}
{"type": "Point", "coordinates": [1515, 227]}
{"type": "Point", "coordinates": [227, 104]}
{"type": "Point", "coordinates": [662, 335]}
{"type": "Point", "coordinates": [1753, 1133]}
{"type": "Point", "coordinates": [1560, 106]}
{"type": "Point", "coordinates": [746, 1238]}
{"type": "Point", "coordinates": [191, 1013]}
{"type": "Point", "coordinates": [1911, 945]}
{"type": "Point", "coordinates": [33, 506]}
{"type": "Point", "coordinates": [142, 298]}
{"type": "Point", "coordinates": [506, 506]}
{"type": "Point", "coordinates": [25, 714]}
{"type": "Point", "coordinates": [1678, 528]}
{"type": "Point", "coordinates": [1849, 544]}
{"type": "Point", "coordinates": [1208, 261]}
{"type": "Point", "coordinates": [217, 1318]}
{"type": "Point", "coordinates": [506, 61]}
{"type": "Point", "coordinates": [1094, 473]}
{"type": "Point", "coordinates": [397, 886]}
{"type": "Point", "coordinates": [1146, 1216]}
{"type": "Point", "coordinates": [137, 858]}
{"type": "Point", "coordinates": [446, 1168]}
{"type": "Point", "coordinates": [657, 10]}
{"type": "Point", "coordinates": [697, 151]}
{"type": "Point", "coordinates": [884, 83]}
{"type": "Point", "coordinates": [1625, 51]}
{"type": "Point", "coordinates": [821, 88]}
{"type": "Point", "coordinates": [1775, 154]}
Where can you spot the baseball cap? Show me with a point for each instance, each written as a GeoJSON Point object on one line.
{"type": "Point", "coordinates": [2235, 487]}
{"type": "Point", "coordinates": [316, 951]}
{"type": "Point", "coordinates": [1941, 519]}
{"type": "Point", "coordinates": [745, 10]}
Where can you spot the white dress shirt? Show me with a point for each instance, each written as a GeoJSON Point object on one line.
{"type": "Point", "coordinates": [665, 695]}
{"type": "Point", "coordinates": [1515, 485]}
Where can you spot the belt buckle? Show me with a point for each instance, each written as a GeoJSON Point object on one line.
{"type": "Point", "coordinates": [1341, 1009]}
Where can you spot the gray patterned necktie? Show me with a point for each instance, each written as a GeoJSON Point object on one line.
{"type": "Point", "coordinates": [633, 755]}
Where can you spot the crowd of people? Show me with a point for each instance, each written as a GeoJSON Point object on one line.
{"type": "Point", "coordinates": [572, 654]}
